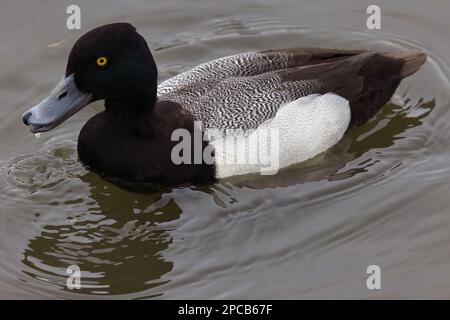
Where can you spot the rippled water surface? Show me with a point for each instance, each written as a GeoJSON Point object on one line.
{"type": "Point", "coordinates": [381, 196]}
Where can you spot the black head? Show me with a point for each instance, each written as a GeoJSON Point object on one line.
{"type": "Point", "coordinates": [111, 62]}
{"type": "Point", "coordinates": [114, 62]}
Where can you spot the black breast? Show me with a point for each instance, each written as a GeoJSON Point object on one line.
{"type": "Point", "coordinates": [138, 149]}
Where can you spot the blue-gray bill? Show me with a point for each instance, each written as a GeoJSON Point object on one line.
{"type": "Point", "coordinates": [64, 100]}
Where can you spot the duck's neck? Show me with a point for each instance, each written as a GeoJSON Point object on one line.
{"type": "Point", "coordinates": [130, 114]}
{"type": "Point", "coordinates": [139, 99]}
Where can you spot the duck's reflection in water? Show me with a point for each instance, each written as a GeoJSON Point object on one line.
{"type": "Point", "coordinates": [117, 243]}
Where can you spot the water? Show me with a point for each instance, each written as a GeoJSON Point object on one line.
{"type": "Point", "coordinates": [381, 196]}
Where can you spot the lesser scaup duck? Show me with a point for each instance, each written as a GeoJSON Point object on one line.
{"type": "Point", "coordinates": [310, 96]}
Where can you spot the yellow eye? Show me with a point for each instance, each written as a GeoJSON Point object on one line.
{"type": "Point", "coordinates": [102, 61]}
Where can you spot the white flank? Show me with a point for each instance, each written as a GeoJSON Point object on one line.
{"type": "Point", "coordinates": [299, 131]}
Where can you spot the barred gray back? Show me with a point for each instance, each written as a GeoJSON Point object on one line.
{"type": "Point", "coordinates": [236, 92]}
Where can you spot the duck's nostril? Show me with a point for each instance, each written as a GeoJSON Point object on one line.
{"type": "Point", "coordinates": [25, 117]}
{"type": "Point", "coordinates": [62, 95]}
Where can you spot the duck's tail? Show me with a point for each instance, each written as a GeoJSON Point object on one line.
{"type": "Point", "coordinates": [381, 74]}
{"type": "Point", "coordinates": [412, 61]}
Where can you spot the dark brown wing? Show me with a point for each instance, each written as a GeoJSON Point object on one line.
{"type": "Point", "coordinates": [367, 79]}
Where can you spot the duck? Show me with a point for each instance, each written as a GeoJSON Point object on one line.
{"type": "Point", "coordinates": [286, 104]}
